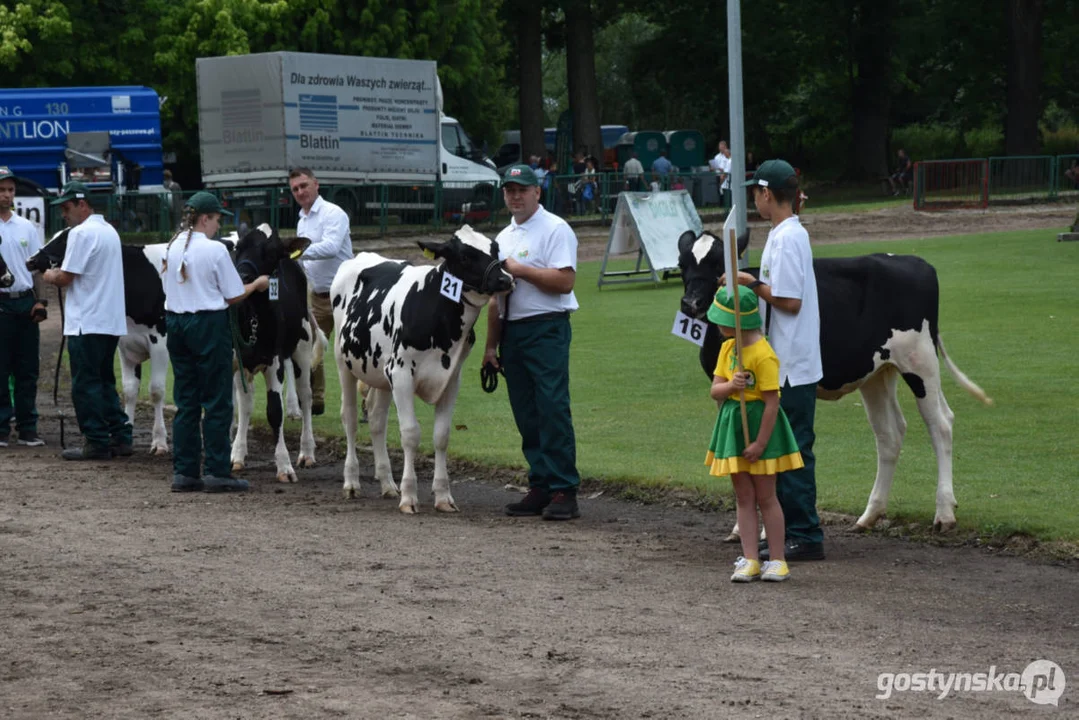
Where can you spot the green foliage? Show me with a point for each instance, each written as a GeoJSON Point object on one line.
{"type": "Point", "coordinates": [1062, 141]}
{"type": "Point", "coordinates": [929, 141]}
{"type": "Point", "coordinates": [24, 24]}
{"type": "Point", "coordinates": [984, 142]}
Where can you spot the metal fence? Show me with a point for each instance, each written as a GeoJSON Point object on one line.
{"type": "Point", "coordinates": [942, 184]}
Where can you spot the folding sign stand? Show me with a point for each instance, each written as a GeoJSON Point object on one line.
{"type": "Point", "coordinates": [648, 224]}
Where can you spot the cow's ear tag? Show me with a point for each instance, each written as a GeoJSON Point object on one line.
{"type": "Point", "coordinates": [295, 254]}
{"type": "Point", "coordinates": [273, 290]}
{"type": "Point", "coordinates": [429, 254]}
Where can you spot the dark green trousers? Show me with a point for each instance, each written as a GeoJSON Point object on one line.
{"type": "Point", "coordinates": [797, 489]}
{"type": "Point", "coordinates": [535, 358]}
{"type": "Point", "coordinates": [93, 390]}
{"type": "Point", "coordinates": [20, 341]}
{"type": "Point", "coordinates": [200, 350]}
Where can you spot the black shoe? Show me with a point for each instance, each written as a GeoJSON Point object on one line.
{"type": "Point", "coordinates": [121, 449]}
{"type": "Point", "coordinates": [531, 504]}
{"type": "Point", "coordinates": [318, 407]}
{"type": "Point", "coordinates": [795, 551]}
{"type": "Point", "coordinates": [30, 439]}
{"type": "Point", "coordinates": [213, 484]}
{"type": "Point", "coordinates": [183, 483]}
{"type": "Point", "coordinates": [563, 506]}
{"type": "Point", "coordinates": [87, 452]}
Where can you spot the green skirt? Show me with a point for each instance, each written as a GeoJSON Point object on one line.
{"type": "Point", "coordinates": [725, 451]}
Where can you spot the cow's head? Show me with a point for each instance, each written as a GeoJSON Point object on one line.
{"type": "Point", "coordinates": [473, 257]}
{"type": "Point", "coordinates": [50, 256]}
{"type": "Point", "coordinates": [700, 258]}
{"type": "Point", "coordinates": [6, 278]}
{"type": "Point", "coordinates": [261, 250]}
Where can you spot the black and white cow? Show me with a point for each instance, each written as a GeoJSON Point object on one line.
{"type": "Point", "coordinates": [878, 322]}
{"type": "Point", "coordinates": [271, 331]}
{"type": "Point", "coordinates": [144, 302]}
{"type": "Point", "coordinates": [6, 277]}
{"type": "Point", "coordinates": [401, 336]}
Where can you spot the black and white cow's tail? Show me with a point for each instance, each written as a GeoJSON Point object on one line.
{"type": "Point", "coordinates": [966, 383]}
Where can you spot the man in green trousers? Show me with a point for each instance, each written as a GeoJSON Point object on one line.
{"type": "Point", "coordinates": [94, 320]}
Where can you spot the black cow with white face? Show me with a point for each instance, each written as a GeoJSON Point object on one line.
{"type": "Point", "coordinates": [273, 330]}
{"type": "Point", "coordinates": [878, 322]}
{"type": "Point", "coordinates": [144, 304]}
{"type": "Point", "coordinates": [401, 332]}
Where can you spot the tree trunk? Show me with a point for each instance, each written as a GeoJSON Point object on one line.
{"type": "Point", "coordinates": [1024, 77]}
{"type": "Point", "coordinates": [581, 78]}
{"type": "Point", "coordinates": [871, 46]}
{"type": "Point", "coordinates": [530, 79]}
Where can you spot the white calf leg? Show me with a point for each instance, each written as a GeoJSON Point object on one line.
{"type": "Point", "coordinates": [159, 370]}
{"type": "Point", "coordinates": [939, 419]}
{"type": "Point", "coordinates": [302, 362]}
{"type": "Point", "coordinates": [348, 421]}
{"type": "Point", "coordinates": [131, 384]}
{"type": "Point", "coordinates": [410, 444]}
{"type": "Point", "coordinates": [275, 410]}
{"type": "Point", "coordinates": [244, 402]}
{"type": "Point", "coordinates": [292, 402]}
{"type": "Point", "coordinates": [443, 418]}
{"type": "Point", "coordinates": [378, 413]}
{"type": "Point", "coordinates": [889, 427]}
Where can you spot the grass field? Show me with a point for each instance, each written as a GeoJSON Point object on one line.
{"type": "Point", "coordinates": [643, 415]}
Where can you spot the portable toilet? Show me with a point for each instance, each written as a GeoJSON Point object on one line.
{"type": "Point", "coordinates": [685, 149]}
{"type": "Point", "coordinates": [648, 144]}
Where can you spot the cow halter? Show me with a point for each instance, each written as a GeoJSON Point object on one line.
{"type": "Point", "coordinates": [485, 286]}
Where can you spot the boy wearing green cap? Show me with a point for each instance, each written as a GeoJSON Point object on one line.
{"type": "Point", "coordinates": [772, 448]}
{"type": "Point", "coordinates": [95, 318]}
{"type": "Point", "coordinates": [200, 283]}
{"type": "Point", "coordinates": [788, 284]}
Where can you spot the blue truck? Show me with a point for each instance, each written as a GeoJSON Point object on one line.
{"type": "Point", "coordinates": [108, 137]}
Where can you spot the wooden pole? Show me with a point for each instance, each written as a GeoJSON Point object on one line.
{"type": "Point", "coordinates": [732, 283]}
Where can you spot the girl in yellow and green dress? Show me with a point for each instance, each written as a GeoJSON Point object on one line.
{"type": "Point", "coordinates": [772, 448]}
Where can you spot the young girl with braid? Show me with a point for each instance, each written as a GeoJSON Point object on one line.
{"type": "Point", "coordinates": [200, 283]}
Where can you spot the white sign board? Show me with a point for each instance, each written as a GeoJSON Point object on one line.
{"type": "Point", "coordinates": [650, 224]}
{"type": "Point", "coordinates": [33, 209]}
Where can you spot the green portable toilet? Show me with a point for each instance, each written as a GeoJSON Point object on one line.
{"type": "Point", "coordinates": [647, 143]}
{"type": "Point", "coordinates": [685, 149]}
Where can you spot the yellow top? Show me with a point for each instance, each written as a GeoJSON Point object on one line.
{"type": "Point", "coordinates": [759, 359]}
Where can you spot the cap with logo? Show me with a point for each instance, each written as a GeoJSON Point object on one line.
{"type": "Point", "coordinates": [520, 175]}
{"type": "Point", "coordinates": [5, 173]}
{"type": "Point", "coordinates": [74, 190]}
{"type": "Point", "coordinates": [772, 173]}
{"type": "Point", "coordinates": [203, 202]}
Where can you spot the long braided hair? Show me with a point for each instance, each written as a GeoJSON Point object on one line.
{"type": "Point", "coordinates": [187, 223]}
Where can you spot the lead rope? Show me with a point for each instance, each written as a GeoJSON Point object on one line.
{"type": "Point", "coordinates": [238, 342]}
{"type": "Point", "coordinates": [59, 362]}
{"type": "Point", "coordinates": [488, 373]}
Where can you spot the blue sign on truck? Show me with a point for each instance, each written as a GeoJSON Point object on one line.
{"type": "Point", "coordinates": [107, 136]}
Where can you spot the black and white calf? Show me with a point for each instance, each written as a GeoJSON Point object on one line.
{"type": "Point", "coordinates": [401, 332]}
{"type": "Point", "coordinates": [144, 302]}
{"type": "Point", "coordinates": [878, 322]}
{"type": "Point", "coordinates": [273, 329]}
{"type": "Point", "coordinates": [6, 278]}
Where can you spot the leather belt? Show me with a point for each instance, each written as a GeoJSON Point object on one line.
{"type": "Point", "coordinates": [16, 295]}
{"type": "Point", "coordinates": [542, 316]}
{"type": "Point", "coordinates": [324, 296]}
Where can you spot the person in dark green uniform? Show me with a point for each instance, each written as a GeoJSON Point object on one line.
{"type": "Point", "coordinates": [22, 307]}
{"type": "Point", "coordinates": [200, 283]}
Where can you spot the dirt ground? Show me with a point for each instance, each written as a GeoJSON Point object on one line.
{"type": "Point", "coordinates": [119, 599]}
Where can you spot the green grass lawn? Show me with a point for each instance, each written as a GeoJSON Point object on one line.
{"type": "Point", "coordinates": [643, 415]}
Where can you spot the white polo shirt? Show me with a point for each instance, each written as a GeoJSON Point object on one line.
{"type": "Point", "coordinates": [18, 241]}
{"type": "Point", "coordinates": [326, 226]}
{"type": "Point", "coordinates": [94, 303]}
{"type": "Point", "coordinates": [211, 276]}
{"type": "Point", "coordinates": [724, 166]}
{"type": "Point", "coordinates": [787, 268]}
{"type": "Point", "coordinates": [543, 241]}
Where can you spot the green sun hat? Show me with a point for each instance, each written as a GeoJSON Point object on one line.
{"type": "Point", "coordinates": [521, 175]}
{"type": "Point", "coordinates": [722, 310]}
{"type": "Point", "coordinates": [772, 173]}
{"type": "Point", "coordinates": [74, 190]}
{"type": "Point", "coordinates": [203, 202]}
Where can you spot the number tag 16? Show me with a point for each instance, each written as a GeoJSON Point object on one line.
{"type": "Point", "coordinates": [451, 286]}
{"type": "Point", "coordinates": [687, 328]}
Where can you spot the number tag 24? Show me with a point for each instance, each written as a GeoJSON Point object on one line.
{"type": "Point", "coordinates": [451, 286]}
{"type": "Point", "coordinates": [687, 328]}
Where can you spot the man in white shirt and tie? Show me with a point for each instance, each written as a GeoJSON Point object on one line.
{"type": "Point", "coordinates": [327, 227]}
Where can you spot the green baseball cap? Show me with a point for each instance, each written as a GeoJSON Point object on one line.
{"type": "Point", "coordinates": [772, 173]}
{"type": "Point", "coordinates": [722, 310]}
{"type": "Point", "coordinates": [521, 175]}
{"type": "Point", "coordinates": [74, 190]}
{"type": "Point", "coordinates": [5, 173]}
{"type": "Point", "coordinates": [203, 202]}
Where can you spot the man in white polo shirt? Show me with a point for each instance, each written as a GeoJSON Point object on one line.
{"type": "Point", "coordinates": [540, 252]}
{"type": "Point", "coordinates": [22, 307]}
{"type": "Point", "coordinates": [94, 321]}
{"type": "Point", "coordinates": [327, 227]}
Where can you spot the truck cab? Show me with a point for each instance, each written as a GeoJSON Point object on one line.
{"type": "Point", "coordinates": [468, 176]}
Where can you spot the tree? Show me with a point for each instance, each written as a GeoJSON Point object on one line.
{"type": "Point", "coordinates": [24, 24]}
{"type": "Point", "coordinates": [1024, 77]}
{"type": "Point", "coordinates": [581, 78]}
{"type": "Point", "coordinates": [529, 25]}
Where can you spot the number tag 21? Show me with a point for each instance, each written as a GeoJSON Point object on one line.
{"type": "Point", "coordinates": [451, 286]}
{"type": "Point", "coordinates": [687, 328]}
